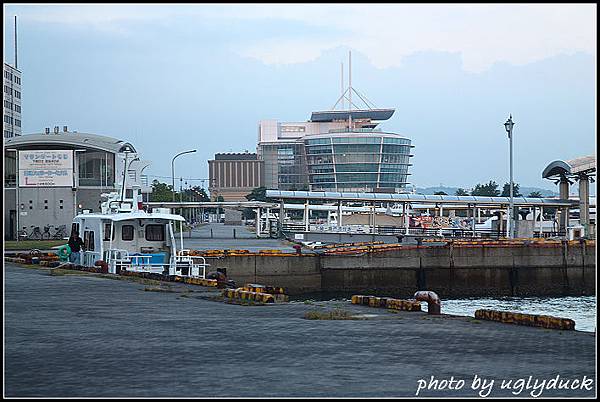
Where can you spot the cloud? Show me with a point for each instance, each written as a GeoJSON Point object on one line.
{"type": "Point", "coordinates": [483, 34]}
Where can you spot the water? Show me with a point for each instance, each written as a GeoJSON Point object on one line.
{"type": "Point", "coordinates": [581, 309]}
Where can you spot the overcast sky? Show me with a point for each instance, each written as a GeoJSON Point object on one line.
{"type": "Point", "coordinates": [174, 77]}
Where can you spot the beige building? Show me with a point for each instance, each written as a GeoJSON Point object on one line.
{"type": "Point", "coordinates": [234, 175]}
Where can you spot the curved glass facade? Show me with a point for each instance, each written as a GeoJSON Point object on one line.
{"type": "Point", "coordinates": [357, 161]}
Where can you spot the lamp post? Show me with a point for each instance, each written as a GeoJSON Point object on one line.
{"type": "Point", "coordinates": [173, 169]}
{"type": "Point", "coordinates": [509, 127]}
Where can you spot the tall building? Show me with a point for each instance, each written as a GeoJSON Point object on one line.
{"type": "Point", "coordinates": [234, 175]}
{"type": "Point", "coordinates": [337, 150]}
{"type": "Point", "coordinates": [12, 101]}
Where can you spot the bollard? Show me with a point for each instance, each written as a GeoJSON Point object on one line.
{"type": "Point", "coordinates": [211, 233]}
{"type": "Point", "coordinates": [434, 303]}
{"type": "Point", "coordinates": [234, 233]}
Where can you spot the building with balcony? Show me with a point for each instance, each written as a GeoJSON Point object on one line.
{"type": "Point", "coordinates": [234, 175]}
{"type": "Point", "coordinates": [11, 108]}
{"type": "Point", "coordinates": [335, 151]}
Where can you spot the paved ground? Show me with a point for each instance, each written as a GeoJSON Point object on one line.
{"type": "Point", "coordinates": [222, 238]}
{"type": "Point", "coordinates": [80, 335]}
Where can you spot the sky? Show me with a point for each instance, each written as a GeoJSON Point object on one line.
{"type": "Point", "coordinates": [170, 78]}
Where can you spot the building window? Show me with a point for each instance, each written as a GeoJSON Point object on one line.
{"type": "Point", "coordinates": [155, 232]}
{"type": "Point", "coordinates": [127, 232]}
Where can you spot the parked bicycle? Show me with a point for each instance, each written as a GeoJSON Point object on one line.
{"type": "Point", "coordinates": [61, 233]}
{"type": "Point", "coordinates": [46, 235]}
{"type": "Point", "coordinates": [36, 233]}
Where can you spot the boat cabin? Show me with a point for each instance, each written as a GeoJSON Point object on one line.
{"type": "Point", "coordinates": [126, 237]}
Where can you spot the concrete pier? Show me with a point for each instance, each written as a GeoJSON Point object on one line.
{"type": "Point", "coordinates": [566, 268]}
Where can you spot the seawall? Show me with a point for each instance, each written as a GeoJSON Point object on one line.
{"type": "Point", "coordinates": [467, 270]}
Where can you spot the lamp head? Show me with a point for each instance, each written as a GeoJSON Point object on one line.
{"type": "Point", "coordinates": [509, 125]}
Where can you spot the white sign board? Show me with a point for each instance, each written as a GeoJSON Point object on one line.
{"type": "Point", "coordinates": [51, 168]}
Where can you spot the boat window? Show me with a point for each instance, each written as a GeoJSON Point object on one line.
{"type": "Point", "coordinates": [88, 240]}
{"type": "Point", "coordinates": [127, 232]}
{"type": "Point", "coordinates": [155, 232]}
{"type": "Point", "coordinates": [74, 228]}
{"type": "Point", "coordinates": [107, 232]}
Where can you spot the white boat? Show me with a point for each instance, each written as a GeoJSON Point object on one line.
{"type": "Point", "coordinates": [126, 237]}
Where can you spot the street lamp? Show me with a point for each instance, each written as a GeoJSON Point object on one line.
{"type": "Point", "coordinates": [173, 169]}
{"type": "Point", "coordinates": [509, 127]}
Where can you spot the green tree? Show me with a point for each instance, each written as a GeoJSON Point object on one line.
{"type": "Point", "coordinates": [535, 194]}
{"type": "Point", "coordinates": [161, 192]}
{"type": "Point", "coordinates": [258, 194]}
{"type": "Point", "coordinates": [506, 190]}
{"type": "Point", "coordinates": [461, 191]}
{"type": "Point", "coordinates": [490, 189]}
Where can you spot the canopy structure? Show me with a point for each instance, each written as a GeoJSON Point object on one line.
{"type": "Point", "coordinates": [581, 169]}
{"type": "Point", "coordinates": [418, 198]}
{"type": "Point", "coordinates": [585, 165]}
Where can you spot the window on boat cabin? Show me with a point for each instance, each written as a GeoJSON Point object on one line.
{"type": "Point", "coordinates": [88, 240]}
{"type": "Point", "coordinates": [127, 232]}
{"type": "Point", "coordinates": [155, 232]}
{"type": "Point", "coordinates": [107, 232]}
{"type": "Point", "coordinates": [74, 228]}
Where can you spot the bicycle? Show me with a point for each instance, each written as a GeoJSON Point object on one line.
{"type": "Point", "coordinates": [36, 234]}
{"type": "Point", "coordinates": [46, 235]}
{"type": "Point", "coordinates": [22, 234]}
{"type": "Point", "coordinates": [61, 233]}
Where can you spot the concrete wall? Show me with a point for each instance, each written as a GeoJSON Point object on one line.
{"type": "Point", "coordinates": [299, 274]}
{"type": "Point", "coordinates": [449, 271]}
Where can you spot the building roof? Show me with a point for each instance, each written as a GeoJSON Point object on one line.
{"type": "Point", "coordinates": [239, 156]}
{"type": "Point", "coordinates": [73, 139]}
{"type": "Point", "coordinates": [417, 198]}
{"type": "Point", "coordinates": [372, 114]}
{"type": "Point", "coordinates": [573, 167]}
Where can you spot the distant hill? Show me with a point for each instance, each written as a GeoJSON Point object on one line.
{"type": "Point", "coordinates": [452, 190]}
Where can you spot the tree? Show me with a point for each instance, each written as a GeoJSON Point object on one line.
{"type": "Point", "coordinates": [161, 192]}
{"type": "Point", "coordinates": [535, 194]}
{"type": "Point", "coordinates": [490, 189]}
{"type": "Point", "coordinates": [506, 190]}
{"type": "Point", "coordinates": [440, 193]}
{"type": "Point", "coordinates": [461, 191]}
{"type": "Point", "coordinates": [258, 194]}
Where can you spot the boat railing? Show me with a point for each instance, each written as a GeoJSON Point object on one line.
{"type": "Point", "coordinates": [90, 258]}
{"type": "Point", "coordinates": [196, 264]}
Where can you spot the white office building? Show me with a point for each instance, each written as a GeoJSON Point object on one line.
{"type": "Point", "coordinates": [11, 101]}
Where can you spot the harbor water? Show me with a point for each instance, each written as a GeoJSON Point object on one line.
{"type": "Point", "coordinates": [581, 309]}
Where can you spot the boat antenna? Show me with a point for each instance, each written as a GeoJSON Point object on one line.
{"type": "Point", "coordinates": [124, 177]}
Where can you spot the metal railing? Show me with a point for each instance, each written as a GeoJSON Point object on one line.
{"type": "Point", "coordinates": [193, 264]}
{"type": "Point", "coordinates": [89, 258]}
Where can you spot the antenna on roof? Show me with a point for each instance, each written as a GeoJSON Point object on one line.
{"type": "Point", "coordinates": [16, 66]}
{"type": "Point", "coordinates": [347, 93]}
{"type": "Point", "coordinates": [342, 88]}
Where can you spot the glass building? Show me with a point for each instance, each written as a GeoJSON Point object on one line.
{"type": "Point", "coordinates": [335, 151]}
